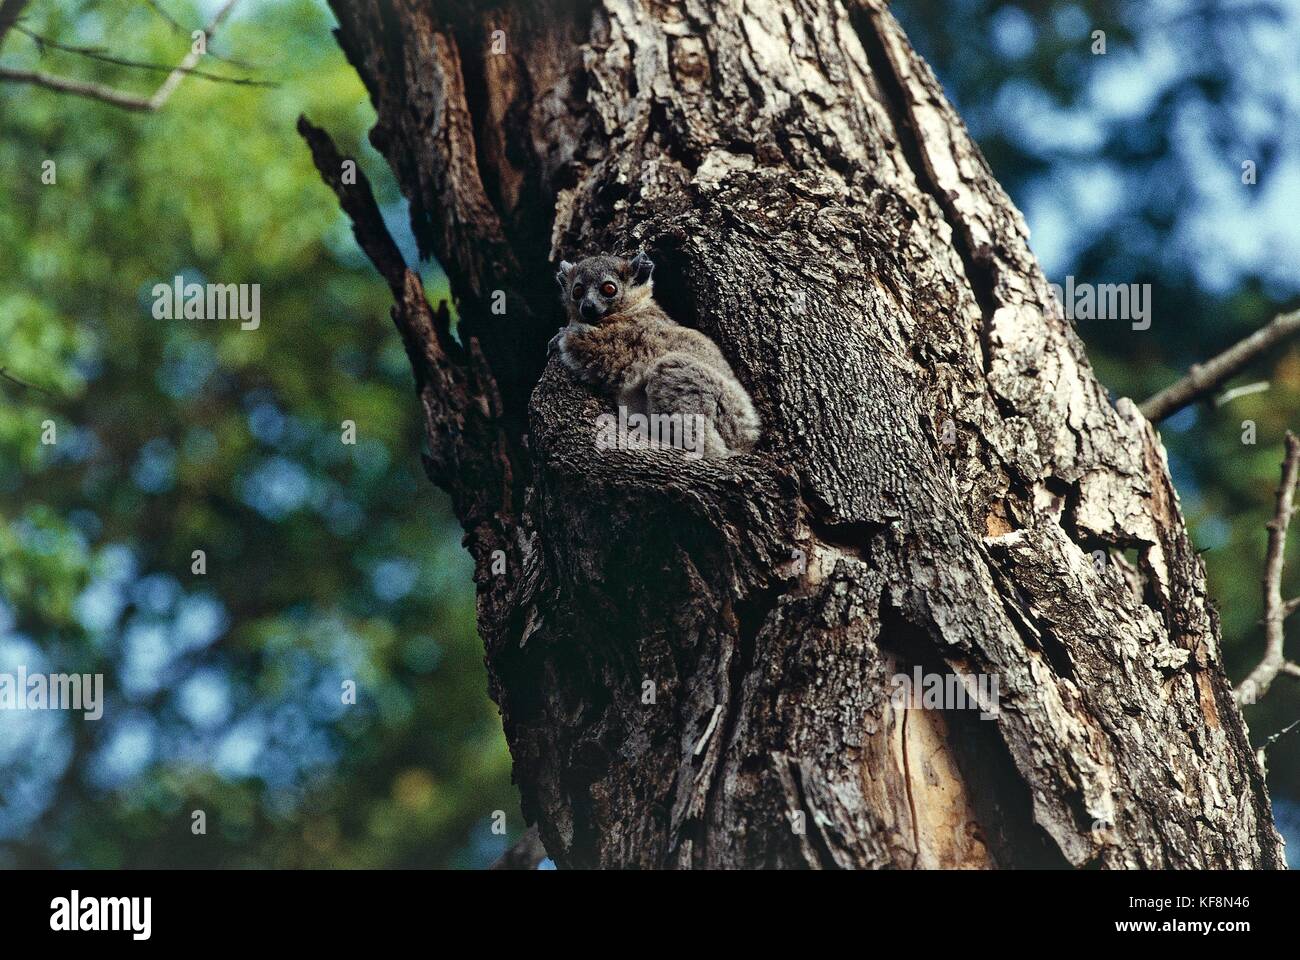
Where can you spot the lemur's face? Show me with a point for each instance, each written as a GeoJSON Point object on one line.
{"type": "Point", "coordinates": [597, 287]}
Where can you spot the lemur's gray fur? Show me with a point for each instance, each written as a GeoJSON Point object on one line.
{"type": "Point", "coordinates": [621, 342]}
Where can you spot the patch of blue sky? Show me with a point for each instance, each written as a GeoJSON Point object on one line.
{"type": "Point", "coordinates": [98, 607]}
{"type": "Point", "coordinates": [198, 621]}
{"type": "Point", "coordinates": [1287, 813]}
{"type": "Point", "coordinates": [1013, 32]}
{"type": "Point", "coordinates": [240, 748]}
{"type": "Point", "coordinates": [1184, 477]}
{"type": "Point", "coordinates": [267, 423]}
{"type": "Point", "coordinates": [39, 535]}
{"type": "Point", "coordinates": [393, 579]}
{"type": "Point", "coordinates": [116, 562]}
{"type": "Point", "coordinates": [204, 698]}
{"type": "Point", "coordinates": [1063, 209]}
{"type": "Point", "coordinates": [1231, 229]}
{"type": "Point", "coordinates": [1182, 421]}
{"type": "Point", "coordinates": [77, 444]}
{"type": "Point", "coordinates": [147, 656]}
{"type": "Point", "coordinates": [325, 705]}
{"type": "Point", "coordinates": [1071, 22]}
{"type": "Point", "coordinates": [155, 466]}
{"type": "Point", "coordinates": [1031, 118]}
{"type": "Point", "coordinates": [1212, 533]}
{"type": "Point", "coordinates": [35, 750]}
{"type": "Point", "coordinates": [485, 846]}
{"type": "Point", "coordinates": [127, 752]}
{"type": "Point", "coordinates": [152, 645]}
{"type": "Point", "coordinates": [156, 593]}
{"type": "Point", "coordinates": [294, 748]}
{"type": "Point", "coordinates": [1126, 81]}
{"type": "Point", "coordinates": [277, 487]}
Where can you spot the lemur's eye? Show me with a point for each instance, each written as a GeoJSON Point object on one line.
{"type": "Point", "coordinates": [577, 291]}
{"type": "Point", "coordinates": [608, 289]}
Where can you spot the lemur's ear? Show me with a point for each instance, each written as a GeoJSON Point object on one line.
{"type": "Point", "coordinates": [641, 267]}
{"type": "Point", "coordinates": [562, 275]}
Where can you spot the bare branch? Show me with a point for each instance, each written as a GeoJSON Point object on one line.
{"type": "Point", "coordinates": [1206, 377]}
{"type": "Point", "coordinates": [99, 54]}
{"type": "Point", "coordinates": [524, 854]}
{"type": "Point", "coordinates": [156, 7]}
{"type": "Point", "coordinates": [1279, 735]}
{"type": "Point", "coordinates": [358, 201]}
{"type": "Point", "coordinates": [1236, 393]}
{"type": "Point", "coordinates": [81, 88]}
{"type": "Point", "coordinates": [179, 27]}
{"type": "Point", "coordinates": [5, 374]}
{"type": "Point", "coordinates": [1261, 678]}
{"type": "Point", "coordinates": [119, 98]}
{"type": "Point", "coordinates": [174, 80]}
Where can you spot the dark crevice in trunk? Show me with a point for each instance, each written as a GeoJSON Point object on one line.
{"type": "Point", "coordinates": [979, 264]}
{"type": "Point", "coordinates": [999, 794]}
{"type": "Point", "coordinates": [472, 44]}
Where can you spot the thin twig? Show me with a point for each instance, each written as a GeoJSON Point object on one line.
{"type": "Point", "coordinates": [1279, 735]}
{"type": "Point", "coordinates": [179, 27]}
{"type": "Point", "coordinates": [156, 7]}
{"type": "Point", "coordinates": [5, 374]}
{"type": "Point", "coordinates": [99, 54]}
{"type": "Point", "coordinates": [43, 41]}
{"type": "Point", "coordinates": [1206, 377]}
{"type": "Point", "coordinates": [80, 88]}
{"type": "Point", "coordinates": [1236, 393]}
{"type": "Point", "coordinates": [1261, 678]}
{"type": "Point", "coordinates": [174, 80]}
{"type": "Point", "coordinates": [119, 98]}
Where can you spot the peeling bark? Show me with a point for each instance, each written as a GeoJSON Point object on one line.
{"type": "Point", "coordinates": [942, 482]}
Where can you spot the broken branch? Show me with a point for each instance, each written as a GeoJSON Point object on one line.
{"type": "Point", "coordinates": [1206, 377]}
{"type": "Point", "coordinates": [1274, 662]}
{"type": "Point", "coordinates": [107, 94]}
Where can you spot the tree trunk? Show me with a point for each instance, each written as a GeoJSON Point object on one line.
{"type": "Point", "coordinates": [695, 660]}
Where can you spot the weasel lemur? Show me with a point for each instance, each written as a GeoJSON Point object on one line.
{"type": "Point", "coordinates": [621, 342]}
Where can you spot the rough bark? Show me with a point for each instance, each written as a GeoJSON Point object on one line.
{"type": "Point", "coordinates": [816, 206]}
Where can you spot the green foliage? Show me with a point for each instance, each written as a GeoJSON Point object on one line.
{"type": "Point", "coordinates": [325, 562]}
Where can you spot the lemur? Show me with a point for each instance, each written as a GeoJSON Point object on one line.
{"type": "Point", "coordinates": [620, 341]}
